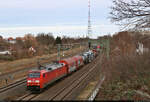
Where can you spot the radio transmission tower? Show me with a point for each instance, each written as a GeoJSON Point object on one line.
{"type": "Point", "coordinates": [89, 20]}
{"type": "Point", "coordinates": [89, 32]}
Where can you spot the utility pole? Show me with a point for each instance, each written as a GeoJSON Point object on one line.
{"type": "Point", "coordinates": [58, 52]}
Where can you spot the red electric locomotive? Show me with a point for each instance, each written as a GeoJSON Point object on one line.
{"type": "Point", "coordinates": [39, 79]}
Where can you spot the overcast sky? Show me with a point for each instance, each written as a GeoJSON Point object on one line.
{"type": "Point", "coordinates": [61, 17]}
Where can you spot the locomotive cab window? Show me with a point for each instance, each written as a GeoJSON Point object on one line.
{"type": "Point", "coordinates": [49, 68]}
{"type": "Point", "coordinates": [34, 75]}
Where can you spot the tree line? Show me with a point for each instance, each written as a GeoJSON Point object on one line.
{"type": "Point", "coordinates": [42, 43]}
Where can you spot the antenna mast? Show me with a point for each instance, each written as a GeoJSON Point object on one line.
{"type": "Point", "coordinates": [89, 20]}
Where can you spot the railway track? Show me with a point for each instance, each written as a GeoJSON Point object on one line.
{"type": "Point", "coordinates": [68, 89]}
{"type": "Point", "coordinates": [27, 96]}
{"type": "Point", "coordinates": [10, 86]}
{"type": "Point", "coordinates": [67, 86]}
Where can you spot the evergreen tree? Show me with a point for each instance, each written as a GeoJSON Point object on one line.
{"type": "Point", "coordinates": [58, 40]}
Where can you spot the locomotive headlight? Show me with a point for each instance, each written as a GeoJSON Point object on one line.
{"type": "Point", "coordinates": [29, 81]}
{"type": "Point", "coordinates": [37, 81]}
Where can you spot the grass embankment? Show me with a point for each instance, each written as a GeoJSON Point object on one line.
{"type": "Point", "coordinates": [127, 78]}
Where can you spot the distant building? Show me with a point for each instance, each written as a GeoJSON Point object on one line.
{"type": "Point", "coordinates": [11, 40]}
{"type": "Point", "coordinates": [141, 48]}
{"type": "Point", "coordinates": [5, 53]}
{"type": "Point", "coordinates": [31, 49]}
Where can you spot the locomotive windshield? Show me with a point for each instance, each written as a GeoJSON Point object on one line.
{"type": "Point", "coordinates": [34, 75]}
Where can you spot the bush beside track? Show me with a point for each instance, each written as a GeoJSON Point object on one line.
{"type": "Point", "coordinates": [127, 78]}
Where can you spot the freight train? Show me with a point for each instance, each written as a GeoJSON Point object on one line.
{"type": "Point", "coordinates": [40, 78]}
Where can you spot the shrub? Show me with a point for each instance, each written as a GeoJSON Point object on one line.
{"type": "Point", "coordinates": [126, 73]}
{"type": "Point", "coordinates": [7, 58]}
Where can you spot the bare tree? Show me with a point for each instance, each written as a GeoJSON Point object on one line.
{"type": "Point", "coordinates": [45, 39]}
{"type": "Point", "coordinates": [131, 13]}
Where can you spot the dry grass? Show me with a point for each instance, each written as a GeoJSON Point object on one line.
{"type": "Point", "coordinates": [87, 91]}
{"type": "Point", "coordinates": [125, 74]}
{"type": "Point", "coordinates": [8, 66]}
